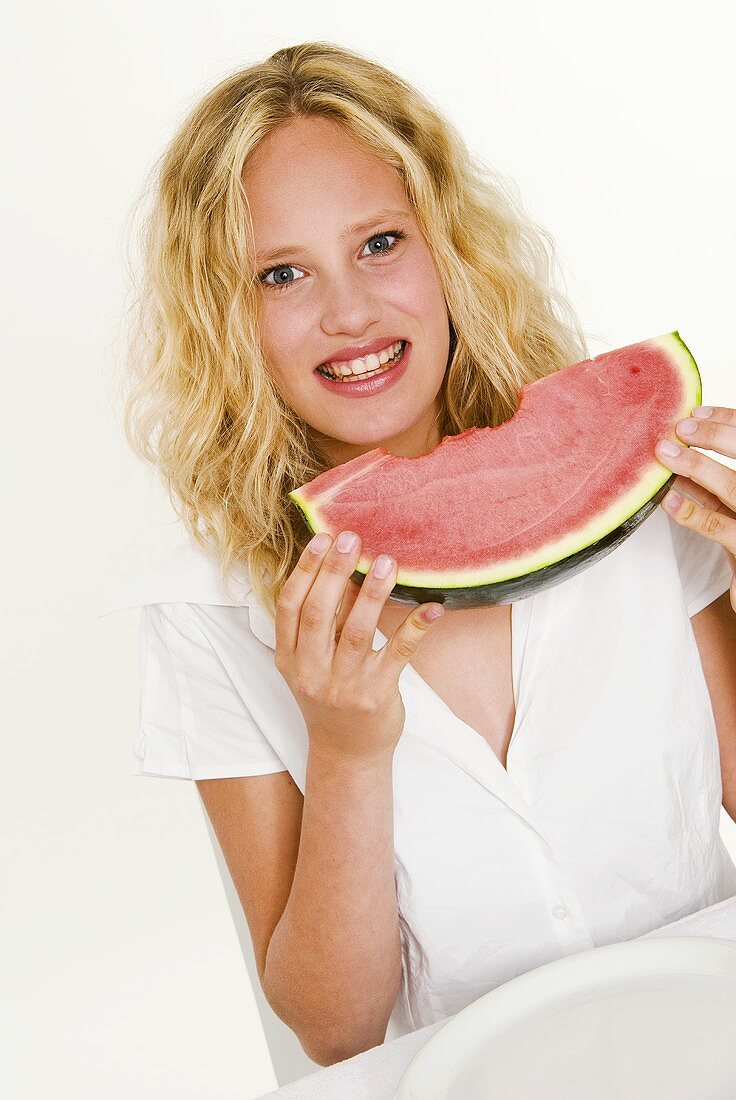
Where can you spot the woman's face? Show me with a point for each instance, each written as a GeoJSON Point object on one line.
{"type": "Point", "coordinates": [326, 286]}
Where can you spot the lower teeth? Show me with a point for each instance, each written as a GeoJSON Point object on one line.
{"type": "Point", "coordinates": [369, 374]}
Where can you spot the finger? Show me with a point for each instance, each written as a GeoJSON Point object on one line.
{"type": "Point", "coordinates": [294, 591]}
{"type": "Point", "coordinates": [349, 596]}
{"type": "Point", "coordinates": [685, 486]}
{"type": "Point", "coordinates": [711, 524]}
{"type": "Point", "coordinates": [317, 622]}
{"type": "Point", "coordinates": [716, 433]}
{"type": "Point", "coordinates": [358, 630]}
{"type": "Point", "coordinates": [404, 642]}
{"type": "Point", "coordinates": [714, 476]}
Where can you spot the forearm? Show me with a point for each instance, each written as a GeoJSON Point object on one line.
{"type": "Point", "coordinates": [333, 965]}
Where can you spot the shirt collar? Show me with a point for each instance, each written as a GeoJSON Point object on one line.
{"type": "Point", "coordinates": [188, 574]}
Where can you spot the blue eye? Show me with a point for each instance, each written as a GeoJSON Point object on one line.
{"type": "Point", "coordinates": [399, 234]}
{"type": "Point", "coordinates": [389, 233]}
{"type": "Point", "coordinates": [280, 268]}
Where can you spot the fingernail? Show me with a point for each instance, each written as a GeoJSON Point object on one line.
{"type": "Point", "coordinates": [672, 501]}
{"type": "Point", "coordinates": [319, 543]}
{"type": "Point", "coordinates": [433, 613]}
{"type": "Point", "coordinates": [382, 566]}
{"type": "Point", "coordinates": [702, 412]}
{"type": "Point", "coordinates": [686, 427]}
{"type": "Point", "coordinates": [669, 449]}
{"type": "Point", "coordinates": [346, 541]}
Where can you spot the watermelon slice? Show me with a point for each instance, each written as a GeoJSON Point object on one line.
{"type": "Point", "coordinates": [493, 515]}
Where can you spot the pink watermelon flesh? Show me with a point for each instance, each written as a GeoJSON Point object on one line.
{"type": "Point", "coordinates": [493, 502]}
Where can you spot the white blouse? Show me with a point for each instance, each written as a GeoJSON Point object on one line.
{"type": "Point", "coordinates": [603, 826]}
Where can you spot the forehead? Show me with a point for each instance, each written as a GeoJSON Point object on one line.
{"type": "Point", "coordinates": [311, 172]}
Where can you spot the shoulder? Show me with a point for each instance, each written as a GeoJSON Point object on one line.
{"type": "Point", "coordinates": [659, 565]}
{"type": "Point", "coordinates": [702, 565]}
{"type": "Point", "coordinates": [184, 584]}
{"type": "Point", "coordinates": [185, 574]}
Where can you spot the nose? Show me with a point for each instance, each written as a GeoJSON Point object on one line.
{"type": "Point", "coordinates": [349, 304]}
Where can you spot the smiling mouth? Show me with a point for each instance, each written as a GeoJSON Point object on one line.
{"type": "Point", "coordinates": [382, 369]}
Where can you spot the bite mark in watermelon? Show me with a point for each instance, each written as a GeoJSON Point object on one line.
{"type": "Point", "coordinates": [493, 515]}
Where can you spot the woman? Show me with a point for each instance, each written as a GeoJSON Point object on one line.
{"type": "Point", "coordinates": [412, 811]}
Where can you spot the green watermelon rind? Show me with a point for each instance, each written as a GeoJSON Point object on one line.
{"type": "Point", "coordinates": [574, 551]}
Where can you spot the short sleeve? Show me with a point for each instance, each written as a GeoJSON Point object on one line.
{"type": "Point", "coordinates": [193, 722]}
{"type": "Point", "coordinates": [705, 572]}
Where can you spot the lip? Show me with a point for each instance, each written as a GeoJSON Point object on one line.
{"type": "Point", "coordinates": [371, 386]}
{"type": "Point", "coordinates": [359, 351]}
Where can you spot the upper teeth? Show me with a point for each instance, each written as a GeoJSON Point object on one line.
{"type": "Point", "coordinates": [361, 366]}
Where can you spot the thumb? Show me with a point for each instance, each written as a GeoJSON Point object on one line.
{"type": "Point", "coordinates": [403, 643]}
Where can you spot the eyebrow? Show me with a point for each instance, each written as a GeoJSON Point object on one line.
{"type": "Point", "coordinates": [349, 231]}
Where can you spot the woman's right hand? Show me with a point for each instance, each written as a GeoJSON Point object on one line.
{"type": "Point", "coordinates": [347, 692]}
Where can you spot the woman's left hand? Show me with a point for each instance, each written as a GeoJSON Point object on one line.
{"type": "Point", "coordinates": [712, 511]}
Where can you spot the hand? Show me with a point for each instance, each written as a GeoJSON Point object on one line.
{"type": "Point", "coordinates": [325, 625]}
{"type": "Point", "coordinates": [711, 484]}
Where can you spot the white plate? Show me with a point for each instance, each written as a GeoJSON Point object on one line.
{"type": "Point", "coordinates": [650, 1019]}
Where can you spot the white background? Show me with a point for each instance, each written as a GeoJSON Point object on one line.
{"type": "Point", "coordinates": [122, 973]}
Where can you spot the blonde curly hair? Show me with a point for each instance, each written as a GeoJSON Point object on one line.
{"type": "Point", "coordinates": [200, 404]}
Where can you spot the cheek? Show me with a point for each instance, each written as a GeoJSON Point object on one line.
{"type": "Point", "coordinates": [419, 290]}
{"type": "Point", "coordinates": [283, 334]}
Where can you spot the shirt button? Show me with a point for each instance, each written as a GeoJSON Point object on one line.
{"type": "Point", "coordinates": [560, 911]}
